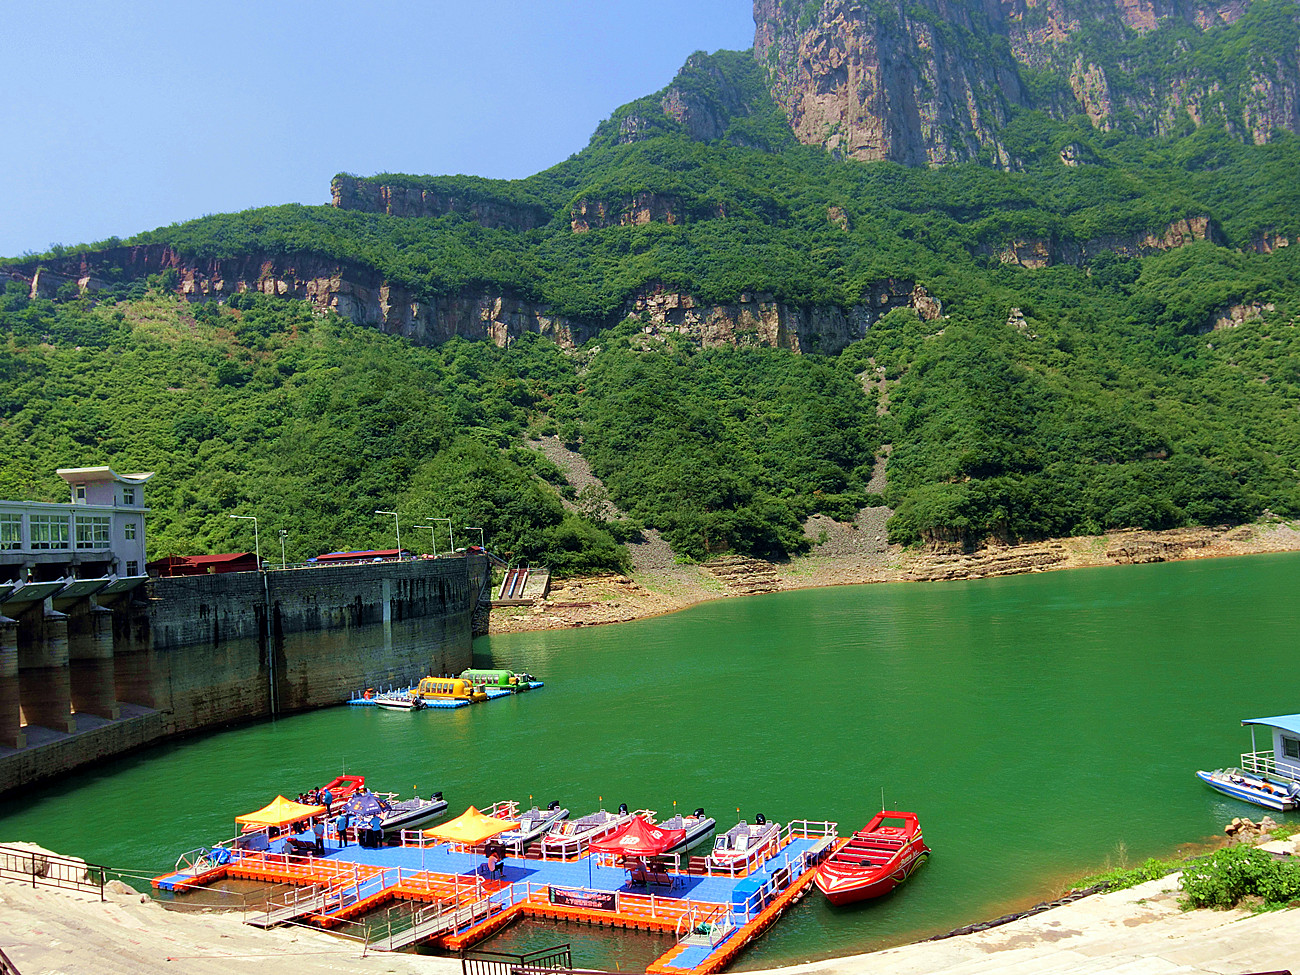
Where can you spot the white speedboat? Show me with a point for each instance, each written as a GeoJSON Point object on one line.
{"type": "Point", "coordinates": [1259, 789]}
{"type": "Point", "coordinates": [697, 825]}
{"type": "Point", "coordinates": [413, 813]}
{"type": "Point", "coordinates": [744, 841]}
{"type": "Point", "coordinates": [568, 837]}
{"type": "Point", "coordinates": [532, 824]}
{"type": "Point", "coordinates": [399, 703]}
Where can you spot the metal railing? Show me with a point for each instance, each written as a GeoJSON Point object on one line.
{"type": "Point", "coordinates": [51, 870]}
{"type": "Point", "coordinates": [557, 958]}
{"type": "Point", "coordinates": [1265, 763]}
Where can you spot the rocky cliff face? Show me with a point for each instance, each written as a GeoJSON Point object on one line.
{"type": "Point", "coordinates": [1039, 252]}
{"type": "Point", "coordinates": [371, 196]}
{"type": "Point", "coordinates": [932, 81]}
{"type": "Point", "coordinates": [889, 79]}
{"type": "Point", "coordinates": [365, 297]}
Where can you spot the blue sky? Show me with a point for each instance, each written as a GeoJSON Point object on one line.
{"type": "Point", "coordinates": [125, 115]}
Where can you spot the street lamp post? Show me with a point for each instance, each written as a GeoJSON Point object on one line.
{"type": "Point", "coordinates": [257, 541]}
{"type": "Point", "coordinates": [482, 543]}
{"type": "Point", "coordinates": [432, 540]}
{"type": "Point", "coordinates": [273, 696]}
{"type": "Point", "coordinates": [451, 541]}
{"type": "Point", "coordinates": [283, 535]}
{"type": "Point", "coordinates": [398, 525]}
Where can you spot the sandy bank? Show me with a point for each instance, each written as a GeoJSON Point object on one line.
{"type": "Point", "coordinates": [857, 553]}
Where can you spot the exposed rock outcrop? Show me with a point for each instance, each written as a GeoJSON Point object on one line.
{"type": "Point", "coordinates": [888, 79]}
{"type": "Point", "coordinates": [364, 296]}
{"type": "Point", "coordinates": [371, 196]}
{"type": "Point", "coordinates": [1040, 253]}
{"type": "Point", "coordinates": [759, 319]}
{"type": "Point", "coordinates": [641, 209]}
{"type": "Point", "coordinates": [1232, 316]}
{"type": "Point", "coordinates": [705, 114]}
{"type": "Point", "coordinates": [933, 81]}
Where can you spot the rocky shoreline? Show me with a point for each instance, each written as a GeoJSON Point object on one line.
{"type": "Point", "coordinates": [857, 553]}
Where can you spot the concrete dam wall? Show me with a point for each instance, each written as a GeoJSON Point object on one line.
{"type": "Point", "coordinates": [82, 681]}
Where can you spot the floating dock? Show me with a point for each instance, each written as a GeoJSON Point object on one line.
{"type": "Point", "coordinates": [453, 903]}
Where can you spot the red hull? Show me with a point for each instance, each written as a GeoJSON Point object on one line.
{"type": "Point", "coordinates": [874, 860]}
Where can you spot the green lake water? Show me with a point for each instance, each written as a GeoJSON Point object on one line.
{"type": "Point", "coordinates": [1041, 726]}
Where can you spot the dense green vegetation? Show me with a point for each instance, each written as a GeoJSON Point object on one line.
{"type": "Point", "coordinates": [307, 421]}
{"type": "Point", "coordinates": [1235, 876]}
{"type": "Point", "coordinates": [1106, 403]}
{"type": "Point", "coordinates": [1228, 877]}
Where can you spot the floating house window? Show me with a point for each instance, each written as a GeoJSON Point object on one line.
{"type": "Point", "coordinates": [133, 568]}
{"type": "Point", "coordinates": [11, 531]}
{"type": "Point", "coordinates": [49, 531]}
{"type": "Point", "coordinates": [128, 495]}
{"type": "Point", "coordinates": [93, 532]}
{"type": "Point", "coordinates": [128, 531]}
{"type": "Point", "coordinates": [79, 493]}
{"type": "Point", "coordinates": [1290, 747]}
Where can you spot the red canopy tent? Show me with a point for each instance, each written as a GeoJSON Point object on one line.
{"type": "Point", "coordinates": [639, 839]}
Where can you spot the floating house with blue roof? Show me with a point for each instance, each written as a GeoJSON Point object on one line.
{"type": "Point", "coordinates": [1283, 761]}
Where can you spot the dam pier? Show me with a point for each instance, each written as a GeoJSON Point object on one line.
{"type": "Point", "coordinates": [98, 658]}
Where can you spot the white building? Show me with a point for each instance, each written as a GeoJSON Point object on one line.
{"type": "Point", "coordinates": [100, 533]}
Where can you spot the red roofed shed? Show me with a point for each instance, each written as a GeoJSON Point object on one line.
{"type": "Point", "coordinates": [202, 565]}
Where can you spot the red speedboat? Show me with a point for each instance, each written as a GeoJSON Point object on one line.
{"type": "Point", "coordinates": [875, 860]}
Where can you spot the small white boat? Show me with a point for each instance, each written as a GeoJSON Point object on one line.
{"type": "Point", "coordinates": [399, 703]}
{"type": "Point", "coordinates": [570, 836]}
{"type": "Point", "coordinates": [697, 825]}
{"type": "Point", "coordinates": [1260, 790]}
{"type": "Point", "coordinates": [745, 841]}
{"type": "Point", "coordinates": [532, 824]}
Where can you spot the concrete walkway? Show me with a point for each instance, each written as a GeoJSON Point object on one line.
{"type": "Point", "coordinates": [1140, 931]}
{"type": "Point", "coordinates": [1134, 932]}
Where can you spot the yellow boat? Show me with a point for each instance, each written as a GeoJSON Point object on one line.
{"type": "Point", "coordinates": [448, 689]}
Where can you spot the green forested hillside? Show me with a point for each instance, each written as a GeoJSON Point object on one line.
{"type": "Point", "coordinates": [1106, 403]}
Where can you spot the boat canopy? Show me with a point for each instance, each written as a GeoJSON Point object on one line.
{"type": "Point", "coordinates": [1287, 722]}
{"type": "Point", "coordinates": [639, 839]}
{"type": "Point", "coordinates": [282, 812]}
{"type": "Point", "coordinates": [366, 804]}
{"type": "Point", "coordinates": [471, 827]}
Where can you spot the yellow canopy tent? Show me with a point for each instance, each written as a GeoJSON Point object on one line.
{"type": "Point", "coordinates": [470, 827]}
{"type": "Point", "coordinates": [282, 812]}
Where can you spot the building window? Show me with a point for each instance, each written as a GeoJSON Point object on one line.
{"type": "Point", "coordinates": [93, 532]}
{"type": "Point", "coordinates": [11, 531]}
{"type": "Point", "coordinates": [79, 493]}
{"type": "Point", "coordinates": [49, 531]}
{"type": "Point", "coordinates": [128, 531]}
{"type": "Point", "coordinates": [133, 568]}
{"type": "Point", "coordinates": [128, 495]}
{"type": "Point", "coordinates": [1290, 747]}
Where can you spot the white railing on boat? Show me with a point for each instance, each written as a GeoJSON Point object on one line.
{"type": "Point", "coordinates": [1265, 763]}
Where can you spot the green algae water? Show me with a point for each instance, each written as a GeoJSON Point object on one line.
{"type": "Point", "coordinates": [1041, 726]}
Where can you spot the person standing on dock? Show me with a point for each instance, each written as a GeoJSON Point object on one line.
{"type": "Point", "coordinates": [341, 829]}
{"type": "Point", "coordinates": [319, 830]}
